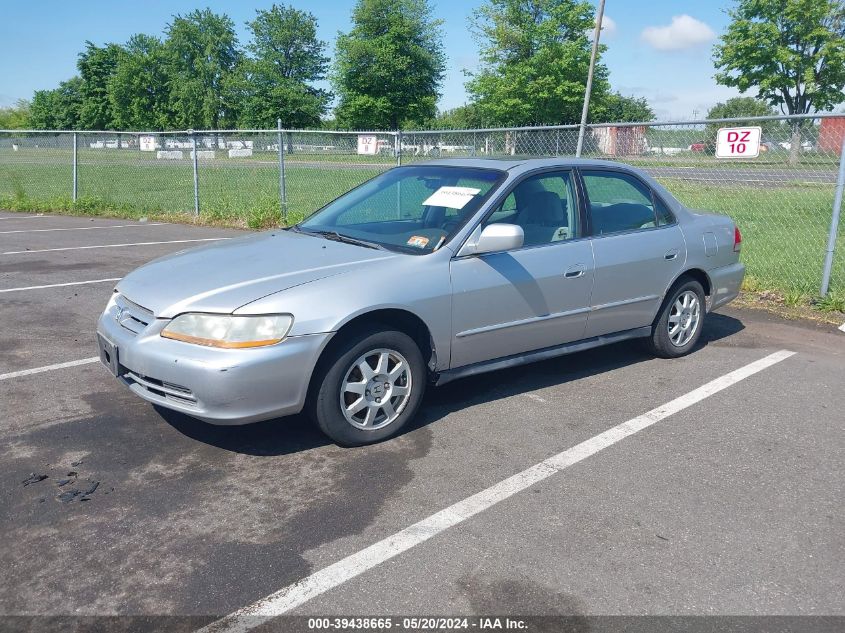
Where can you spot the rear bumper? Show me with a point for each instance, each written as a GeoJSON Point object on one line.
{"type": "Point", "coordinates": [219, 386]}
{"type": "Point", "coordinates": [726, 282]}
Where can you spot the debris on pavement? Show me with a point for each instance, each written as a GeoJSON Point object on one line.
{"type": "Point", "coordinates": [68, 495]}
{"type": "Point", "coordinates": [33, 478]}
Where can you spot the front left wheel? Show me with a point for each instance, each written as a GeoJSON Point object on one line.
{"type": "Point", "coordinates": [370, 387]}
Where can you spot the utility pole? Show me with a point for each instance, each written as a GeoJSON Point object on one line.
{"type": "Point", "coordinates": [593, 56]}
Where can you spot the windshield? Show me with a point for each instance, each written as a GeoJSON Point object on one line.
{"type": "Point", "coordinates": [414, 209]}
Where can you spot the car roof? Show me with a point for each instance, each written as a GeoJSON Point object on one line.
{"type": "Point", "coordinates": [520, 165]}
{"type": "Point", "coordinates": [517, 166]}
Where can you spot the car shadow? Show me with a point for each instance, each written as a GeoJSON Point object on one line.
{"type": "Point", "coordinates": [297, 433]}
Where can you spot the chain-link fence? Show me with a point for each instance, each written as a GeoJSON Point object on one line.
{"type": "Point", "coordinates": [783, 199]}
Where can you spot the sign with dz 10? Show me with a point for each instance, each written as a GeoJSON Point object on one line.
{"type": "Point", "coordinates": [738, 142]}
{"type": "Point", "coordinates": [367, 144]}
{"type": "Point", "coordinates": [147, 143]}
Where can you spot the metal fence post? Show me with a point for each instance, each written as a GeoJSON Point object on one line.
{"type": "Point", "coordinates": [75, 169]}
{"type": "Point", "coordinates": [398, 141]}
{"type": "Point", "coordinates": [283, 199]}
{"type": "Point", "coordinates": [196, 174]}
{"type": "Point", "coordinates": [834, 222]}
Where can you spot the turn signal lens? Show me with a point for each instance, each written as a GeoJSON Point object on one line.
{"type": "Point", "coordinates": [228, 331]}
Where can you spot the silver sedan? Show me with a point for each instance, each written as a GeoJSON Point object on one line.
{"type": "Point", "coordinates": [425, 274]}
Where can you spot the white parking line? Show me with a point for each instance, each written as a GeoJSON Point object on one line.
{"type": "Point", "coordinates": [69, 283]}
{"type": "Point", "coordinates": [356, 564]}
{"type": "Point", "coordinates": [81, 248]}
{"type": "Point", "coordinates": [842, 327]}
{"type": "Point", "coordinates": [22, 217]}
{"type": "Point", "coordinates": [85, 228]}
{"type": "Point", "coordinates": [40, 370]}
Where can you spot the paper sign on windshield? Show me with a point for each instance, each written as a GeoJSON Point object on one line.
{"type": "Point", "coordinates": [451, 197]}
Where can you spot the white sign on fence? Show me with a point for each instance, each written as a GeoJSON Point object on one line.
{"type": "Point", "coordinates": [738, 142]}
{"type": "Point", "coordinates": [367, 144]}
{"type": "Point", "coordinates": [147, 143]}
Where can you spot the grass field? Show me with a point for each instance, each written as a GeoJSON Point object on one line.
{"type": "Point", "coordinates": [784, 227]}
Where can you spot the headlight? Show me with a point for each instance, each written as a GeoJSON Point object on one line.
{"type": "Point", "coordinates": [231, 332]}
{"type": "Point", "coordinates": [112, 301]}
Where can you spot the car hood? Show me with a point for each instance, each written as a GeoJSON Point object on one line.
{"type": "Point", "coordinates": [226, 275]}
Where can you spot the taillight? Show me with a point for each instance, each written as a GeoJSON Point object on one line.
{"type": "Point", "coordinates": [737, 239]}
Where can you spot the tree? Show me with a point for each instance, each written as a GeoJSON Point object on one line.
{"type": "Point", "coordinates": [57, 109]}
{"type": "Point", "coordinates": [390, 65]}
{"type": "Point", "coordinates": [139, 89]}
{"type": "Point", "coordinates": [203, 51]}
{"type": "Point", "coordinates": [460, 118]}
{"type": "Point", "coordinates": [618, 108]}
{"type": "Point", "coordinates": [534, 60]}
{"type": "Point", "coordinates": [96, 67]}
{"type": "Point", "coordinates": [15, 117]}
{"type": "Point", "coordinates": [277, 82]}
{"type": "Point", "coordinates": [734, 108]}
{"type": "Point", "coordinates": [791, 51]}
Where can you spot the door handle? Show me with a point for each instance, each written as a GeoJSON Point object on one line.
{"type": "Point", "coordinates": [574, 271]}
{"type": "Point", "coordinates": [670, 255]}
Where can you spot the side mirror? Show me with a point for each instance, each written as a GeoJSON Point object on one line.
{"type": "Point", "coordinates": [496, 238]}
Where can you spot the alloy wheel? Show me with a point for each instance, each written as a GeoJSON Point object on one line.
{"type": "Point", "coordinates": [376, 388]}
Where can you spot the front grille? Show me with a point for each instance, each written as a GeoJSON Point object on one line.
{"type": "Point", "coordinates": [132, 316]}
{"type": "Point", "coordinates": [162, 389]}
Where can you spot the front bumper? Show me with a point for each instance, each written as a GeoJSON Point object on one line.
{"type": "Point", "coordinates": [220, 386]}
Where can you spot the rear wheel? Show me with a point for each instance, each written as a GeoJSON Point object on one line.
{"type": "Point", "coordinates": [678, 326]}
{"type": "Point", "coordinates": [370, 388]}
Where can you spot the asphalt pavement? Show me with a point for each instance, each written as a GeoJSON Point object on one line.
{"type": "Point", "coordinates": [730, 505]}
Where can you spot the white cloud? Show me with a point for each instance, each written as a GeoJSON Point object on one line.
{"type": "Point", "coordinates": [608, 26]}
{"type": "Point", "coordinates": [684, 32]}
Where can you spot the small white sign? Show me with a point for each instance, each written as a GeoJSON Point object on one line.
{"type": "Point", "coordinates": [367, 144]}
{"type": "Point", "coordinates": [147, 143]}
{"type": "Point", "coordinates": [738, 142]}
{"type": "Point", "coordinates": [451, 197]}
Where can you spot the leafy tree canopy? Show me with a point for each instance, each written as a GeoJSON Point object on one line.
{"type": "Point", "coordinates": [736, 107]}
{"type": "Point", "coordinates": [535, 55]}
{"type": "Point", "coordinates": [389, 66]}
{"type": "Point", "coordinates": [58, 109]}
{"type": "Point", "coordinates": [203, 51]}
{"type": "Point", "coordinates": [15, 117]}
{"type": "Point", "coordinates": [617, 108]}
{"type": "Point", "coordinates": [139, 88]}
{"type": "Point", "coordinates": [276, 82]}
{"type": "Point", "coordinates": [97, 65]}
{"type": "Point", "coordinates": [792, 52]}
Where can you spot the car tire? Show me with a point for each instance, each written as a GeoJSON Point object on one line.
{"type": "Point", "coordinates": [678, 326]}
{"type": "Point", "coordinates": [386, 398]}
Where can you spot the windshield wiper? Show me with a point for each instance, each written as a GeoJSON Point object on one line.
{"type": "Point", "coordinates": [339, 237]}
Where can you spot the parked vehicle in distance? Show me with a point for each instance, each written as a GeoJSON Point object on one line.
{"type": "Point", "coordinates": [698, 146]}
{"type": "Point", "coordinates": [806, 145]}
{"type": "Point", "coordinates": [424, 274]}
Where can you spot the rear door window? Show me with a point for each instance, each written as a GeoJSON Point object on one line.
{"type": "Point", "coordinates": [618, 202]}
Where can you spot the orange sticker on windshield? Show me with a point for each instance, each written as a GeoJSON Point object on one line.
{"type": "Point", "coordinates": [418, 241]}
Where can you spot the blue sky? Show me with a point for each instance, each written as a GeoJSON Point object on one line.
{"type": "Point", "coordinates": [659, 49]}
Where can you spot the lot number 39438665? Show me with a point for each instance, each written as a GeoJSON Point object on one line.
{"type": "Point", "coordinates": [738, 142]}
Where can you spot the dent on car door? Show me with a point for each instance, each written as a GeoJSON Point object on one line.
{"type": "Point", "coordinates": [529, 298]}
{"type": "Point", "coordinates": [638, 249]}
